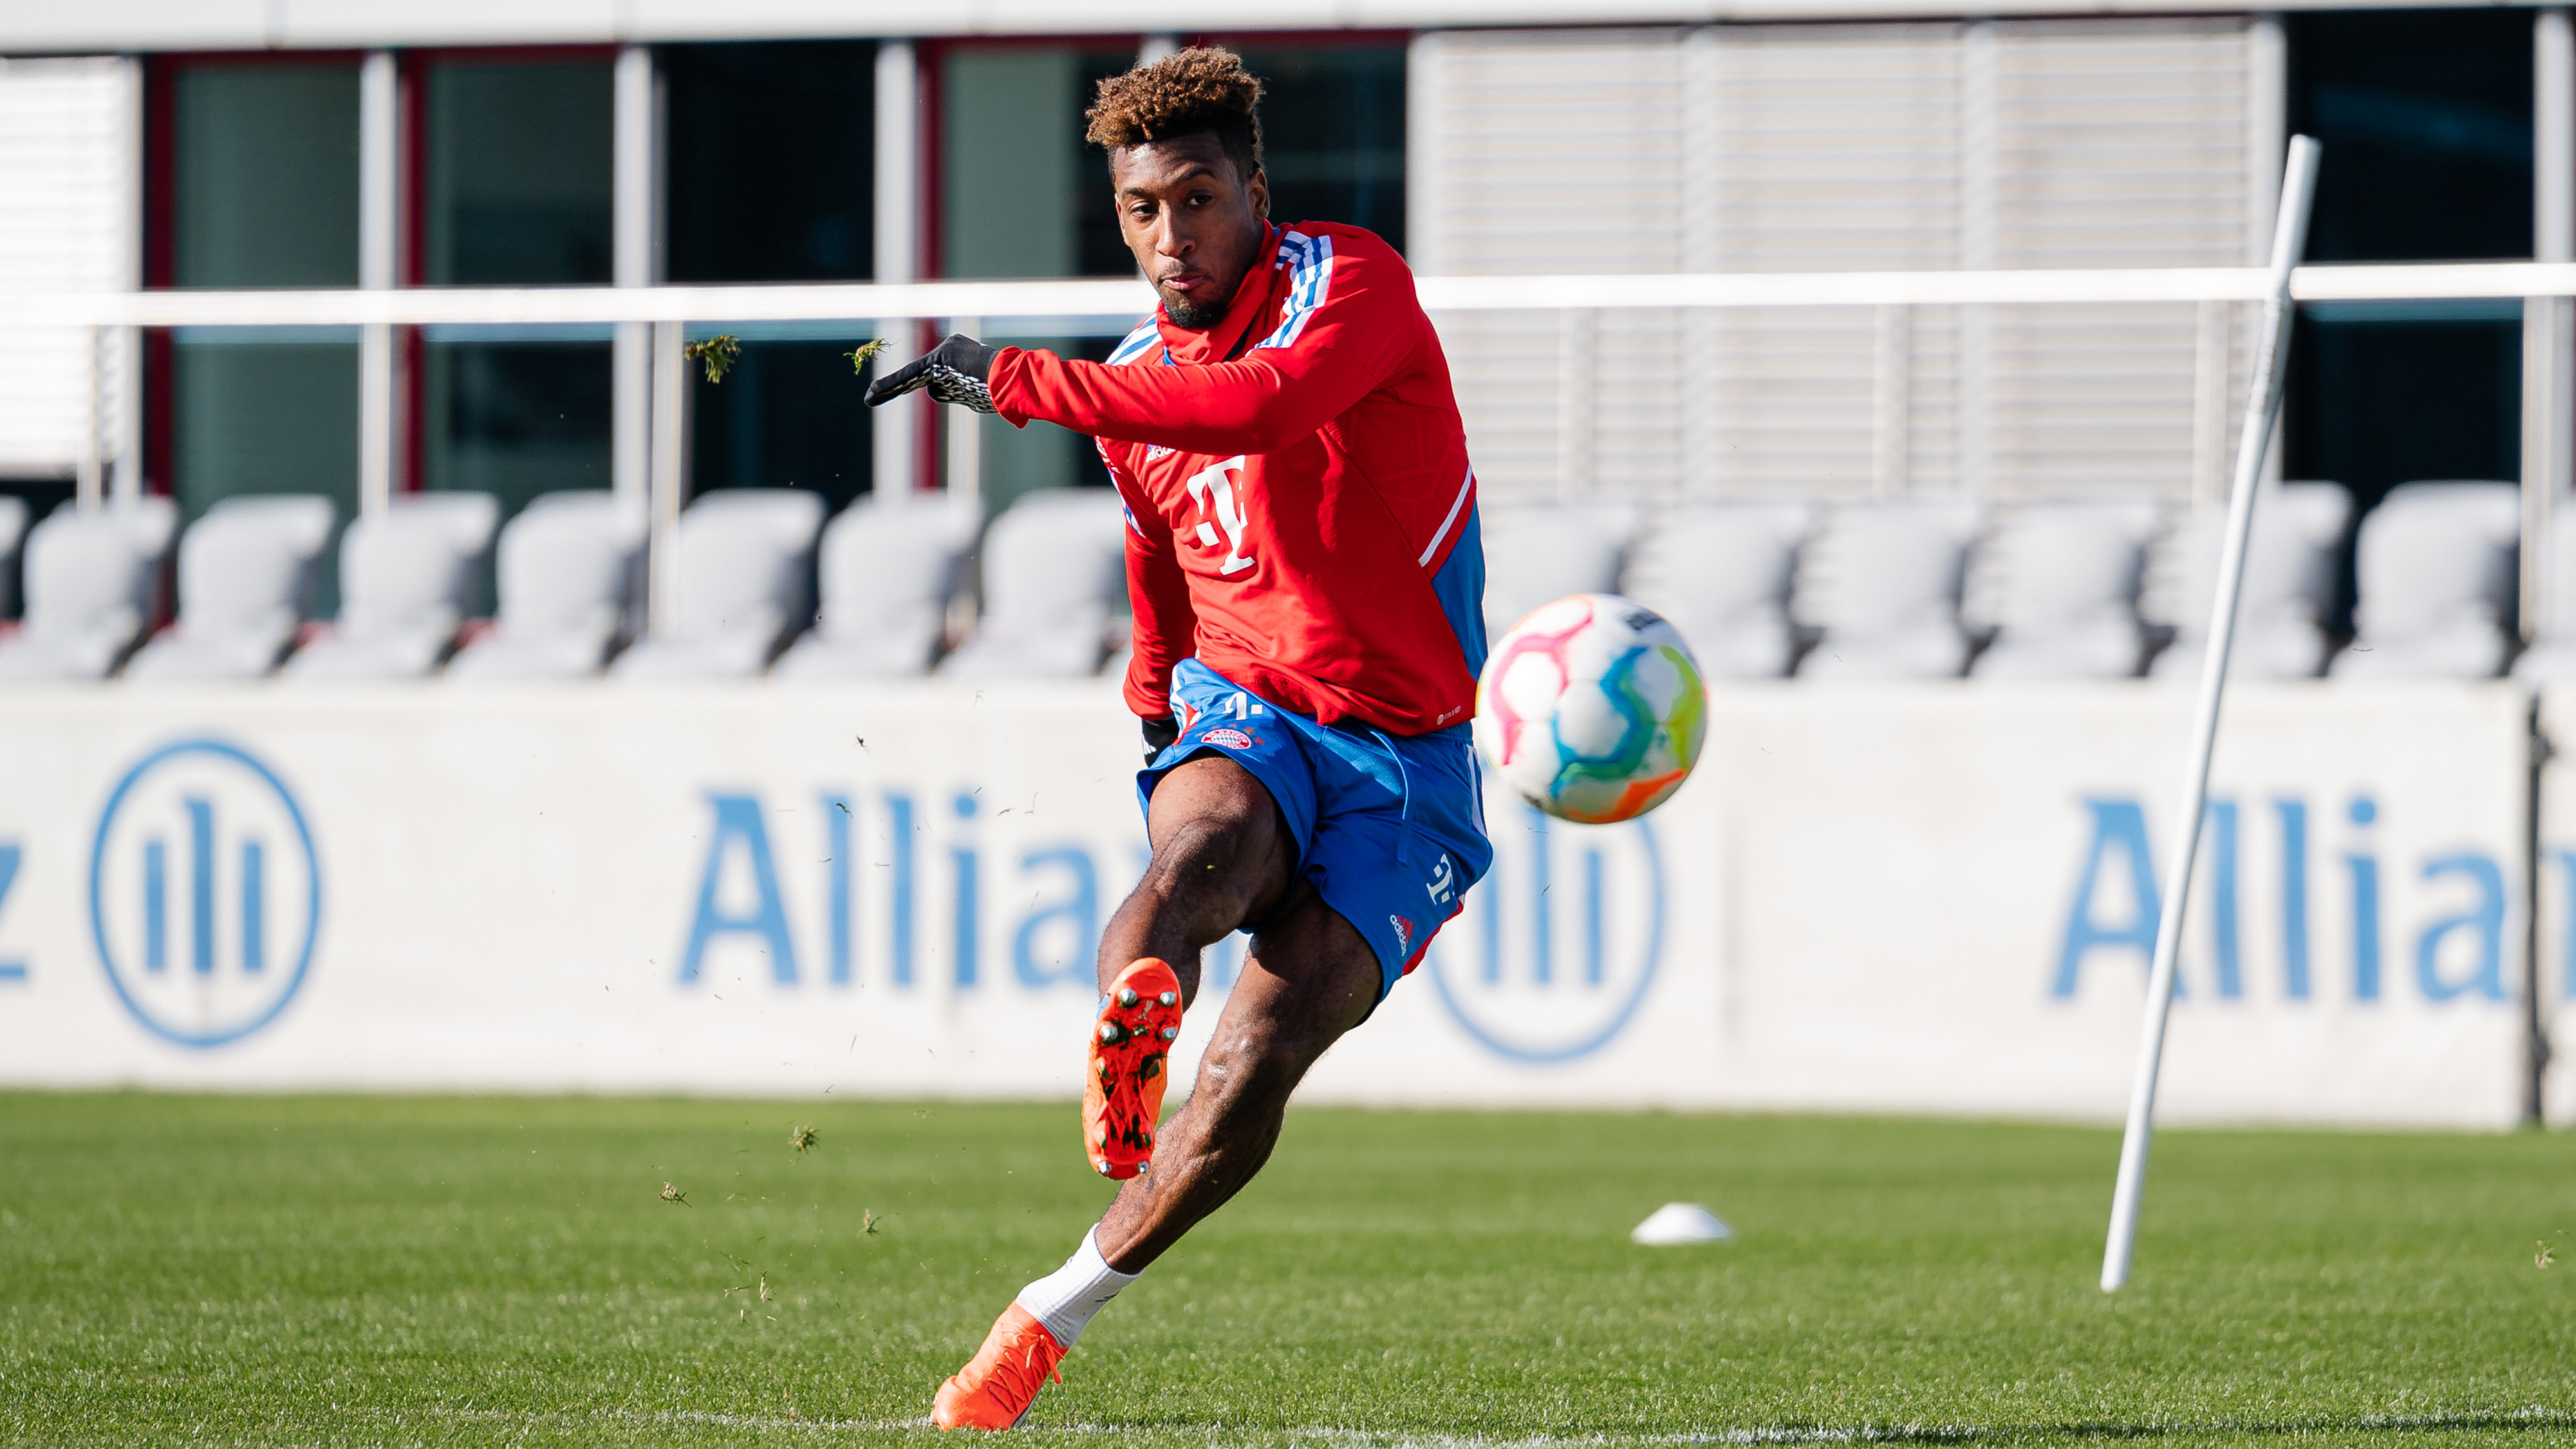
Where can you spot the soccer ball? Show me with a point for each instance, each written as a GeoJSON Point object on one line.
{"type": "Point", "coordinates": [1591, 709]}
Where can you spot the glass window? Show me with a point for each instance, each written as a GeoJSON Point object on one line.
{"type": "Point", "coordinates": [264, 175]}
{"type": "Point", "coordinates": [2427, 123]}
{"type": "Point", "coordinates": [772, 179]}
{"type": "Point", "coordinates": [1020, 193]}
{"type": "Point", "coordinates": [2383, 394]}
{"type": "Point", "coordinates": [772, 161]}
{"type": "Point", "coordinates": [516, 419]}
{"type": "Point", "coordinates": [2426, 120]}
{"type": "Point", "coordinates": [1042, 455]}
{"type": "Point", "coordinates": [517, 187]}
{"type": "Point", "coordinates": [520, 175]}
{"type": "Point", "coordinates": [259, 188]}
{"type": "Point", "coordinates": [1332, 133]}
{"type": "Point", "coordinates": [789, 414]}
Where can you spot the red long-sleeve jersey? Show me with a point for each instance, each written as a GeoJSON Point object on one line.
{"type": "Point", "coordinates": [1301, 512]}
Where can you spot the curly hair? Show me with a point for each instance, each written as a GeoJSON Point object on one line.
{"type": "Point", "coordinates": [1200, 91]}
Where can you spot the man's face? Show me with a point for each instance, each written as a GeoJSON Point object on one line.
{"type": "Point", "coordinates": [1194, 224]}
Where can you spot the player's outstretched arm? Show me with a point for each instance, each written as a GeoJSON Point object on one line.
{"type": "Point", "coordinates": [1260, 404]}
{"type": "Point", "coordinates": [1355, 322]}
{"type": "Point", "coordinates": [1254, 406]}
{"type": "Point", "coordinates": [1358, 324]}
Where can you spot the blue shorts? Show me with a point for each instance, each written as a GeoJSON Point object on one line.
{"type": "Point", "coordinates": [1389, 828]}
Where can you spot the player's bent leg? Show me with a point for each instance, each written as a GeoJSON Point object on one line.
{"type": "Point", "coordinates": [1222, 856]}
{"type": "Point", "coordinates": [1310, 978]}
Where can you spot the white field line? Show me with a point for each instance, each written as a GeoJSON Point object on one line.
{"type": "Point", "coordinates": [2534, 1416]}
{"type": "Point", "coordinates": [1949, 1434]}
{"type": "Point", "coordinates": [868, 302]}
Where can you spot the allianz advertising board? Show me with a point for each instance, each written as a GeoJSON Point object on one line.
{"type": "Point", "coordinates": [1923, 899]}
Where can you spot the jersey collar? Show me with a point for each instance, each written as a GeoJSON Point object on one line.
{"type": "Point", "coordinates": [1224, 341]}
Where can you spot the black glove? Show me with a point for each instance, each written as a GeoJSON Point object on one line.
{"type": "Point", "coordinates": [954, 371]}
{"type": "Point", "coordinates": [1159, 734]}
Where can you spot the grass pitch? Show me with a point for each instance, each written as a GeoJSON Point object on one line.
{"type": "Point", "coordinates": [248, 1270]}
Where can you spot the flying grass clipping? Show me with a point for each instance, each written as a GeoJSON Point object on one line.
{"type": "Point", "coordinates": [719, 353]}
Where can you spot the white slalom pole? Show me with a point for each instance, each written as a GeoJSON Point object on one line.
{"type": "Point", "coordinates": [2289, 241]}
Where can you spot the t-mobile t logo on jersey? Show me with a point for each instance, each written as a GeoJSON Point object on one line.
{"type": "Point", "coordinates": [1442, 885]}
{"type": "Point", "coordinates": [1214, 489]}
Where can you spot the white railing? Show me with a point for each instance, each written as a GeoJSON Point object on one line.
{"type": "Point", "coordinates": [1042, 307]}
{"type": "Point", "coordinates": [865, 301]}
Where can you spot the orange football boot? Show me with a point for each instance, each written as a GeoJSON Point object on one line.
{"type": "Point", "coordinates": [1122, 1098]}
{"type": "Point", "coordinates": [996, 1387]}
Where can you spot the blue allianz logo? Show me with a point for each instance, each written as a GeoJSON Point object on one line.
{"type": "Point", "coordinates": [205, 894]}
{"type": "Point", "coordinates": [1553, 956]}
{"type": "Point", "coordinates": [904, 892]}
{"type": "Point", "coordinates": [12, 969]}
{"type": "Point", "coordinates": [2301, 901]}
{"type": "Point", "coordinates": [1558, 946]}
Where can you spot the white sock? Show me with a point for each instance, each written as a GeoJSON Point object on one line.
{"type": "Point", "coordinates": [1065, 1299]}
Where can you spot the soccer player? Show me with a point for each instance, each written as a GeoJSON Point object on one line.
{"type": "Point", "coordinates": [1307, 581]}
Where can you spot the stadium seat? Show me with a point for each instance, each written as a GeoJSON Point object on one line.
{"type": "Point", "coordinates": [570, 583]}
{"type": "Point", "coordinates": [887, 571]}
{"type": "Point", "coordinates": [1537, 553]}
{"type": "Point", "coordinates": [407, 580]}
{"type": "Point", "coordinates": [2437, 581]}
{"type": "Point", "coordinates": [746, 584]}
{"type": "Point", "coordinates": [1882, 584]}
{"type": "Point", "coordinates": [245, 577]}
{"type": "Point", "coordinates": [1055, 583]}
{"type": "Point", "coordinates": [2058, 581]}
{"type": "Point", "coordinates": [2289, 585]}
{"type": "Point", "coordinates": [2551, 659]}
{"type": "Point", "coordinates": [13, 532]}
{"type": "Point", "coordinates": [91, 575]}
{"type": "Point", "coordinates": [1721, 573]}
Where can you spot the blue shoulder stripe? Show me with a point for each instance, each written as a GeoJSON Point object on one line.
{"type": "Point", "coordinates": [1310, 278]}
{"type": "Point", "coordinates": [1136, 343]}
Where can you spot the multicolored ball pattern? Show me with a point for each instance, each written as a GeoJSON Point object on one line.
{"type": "Point", "coordinates": [1591, 709]}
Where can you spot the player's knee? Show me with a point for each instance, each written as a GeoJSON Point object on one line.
{"type": "Point", "coordinates": [1211, 855]}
